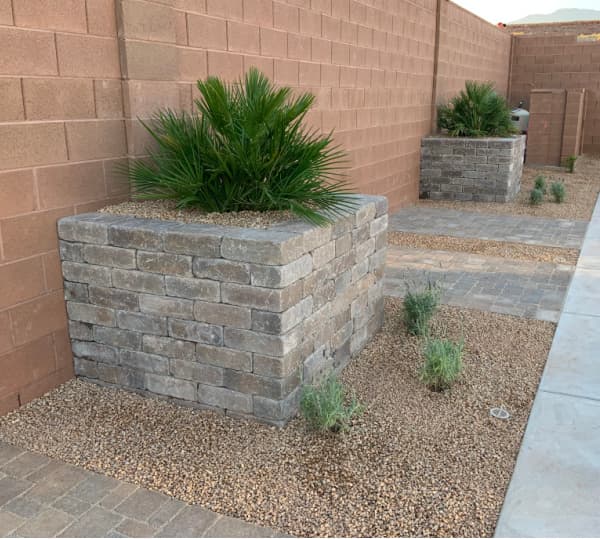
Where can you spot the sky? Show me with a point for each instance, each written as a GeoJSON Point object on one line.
{"type": "Point", "coordinates": [507, 11]}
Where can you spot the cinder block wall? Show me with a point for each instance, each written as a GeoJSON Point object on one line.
{"type": "Point", "coordinates": [76, 74]}
{"type": "Point", "coordinates": [470, 49]}
{"type": "Point", "coordinates": [61, 132]}
{"type": "Point", "coordinates": [559, 56]}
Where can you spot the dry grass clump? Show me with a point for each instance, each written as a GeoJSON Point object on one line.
{"type": "Point", "coordinates": [582, 187]}
{"type": "Point", "coordinates": [515, 251]}
{"type": "Point", "coordinates": [167, 210]}
{"type": "Point", "coordinates": [415, 463]}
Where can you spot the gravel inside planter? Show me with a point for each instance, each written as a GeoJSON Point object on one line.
{"type": "Point", "coordinates": [416, 463]}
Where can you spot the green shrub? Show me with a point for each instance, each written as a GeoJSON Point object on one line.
{"type": "Point", "coordinates": [536, 197]}
{"type": "Point", "coordinates": [540, 183]}
{"type": "Point", "coordinates": [559, 192]}
{"type": "Point", "coordinates": [478, 111]}
{"type": "Point", "coordinates": [443, 363]}
{"type": "Point", "coordinates": [570, 163]}
{"type": "Point", "coordinates": [419, 307]}
{"type": "Point", "coordinates": [325, 406]}
{"type": "Point", "coordinates": [247, 149]}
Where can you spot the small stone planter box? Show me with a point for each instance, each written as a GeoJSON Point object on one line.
{"type": "Point", "coordinates": [480, 169]}
{"type": "Point", "coordinates": [230, 318]}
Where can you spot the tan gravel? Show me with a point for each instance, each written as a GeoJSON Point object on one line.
{"type": "Point", "coordinates": [416, 463]}
{"type": "Point", "coordinates": [167, 210]}
{"type": "Point", "coordinates": [514, 251]}
{"type": "Point", "coordinates": [582, 186]}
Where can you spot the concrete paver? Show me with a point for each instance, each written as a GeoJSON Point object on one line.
{"type": "Point", "coordinates": [510, 228]}
{"type": "Point", "coordinates": [519, 288]}
{"type": "Point", "coordinates": [55, 499]}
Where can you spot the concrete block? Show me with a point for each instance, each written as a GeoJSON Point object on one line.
{"type": "Point", "coordinates": [221, 314]}
{"type": "Point", "coordinates": [91, 314]}
{"type": "Point", "coordinates": [225, 398]}
{"type": "Point", "coordinates": [86, 273]}
{"type": "Point", "coordinates": [197, 372]}
{"type": "Point", "coordinates": [202, 289]}
{"type": "Point", "coordinates": [166, 346]}
{"type": "Point", "coordinates": [113, 298]}
{"type": "Point", "coordinates": [113, 257]}
{"type": "Point", "coordinates": [138, 281]}
{"type": "Point", "coordinates": [165, 263]}
{"type": "Point", "coordinates": [196, 332]}
{"type": "Point", "coordinates": [172, 387]}
{"type": "Point", "coordinates": [143, 323]}
{"type": "Point", "coordinates": [224, 357]}
{"type": "Point", "coordinates": [162, 306]}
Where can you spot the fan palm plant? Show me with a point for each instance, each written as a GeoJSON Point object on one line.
{"type": "Point", "coordinates": [247, 149]}
{"type": "Point", "coordinates": [478, 111]}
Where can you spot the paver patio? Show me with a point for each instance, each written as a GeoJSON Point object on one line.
{"type": "Point", "coordinates": [512, 228]}
{"type": "Point", "coordinates": [521, 288]}
{"type": "Point", "coordinates": [41, 497]}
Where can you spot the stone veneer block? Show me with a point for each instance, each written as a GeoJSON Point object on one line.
{"type": "Point", "coordinates": [226, 318]}
{"type": "Point", "coordinates": [479, 169]}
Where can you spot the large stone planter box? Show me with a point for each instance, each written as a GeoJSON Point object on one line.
{"type": "Point", "coordinates": [230, 318]}
{"type": "Point", "coordinates": [480, 169]}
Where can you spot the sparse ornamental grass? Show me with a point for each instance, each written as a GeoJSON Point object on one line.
{"type": "Point", "coordinates": [558, 191]}
{"type": "Point", "coordinates": [478, 111]}
{"type": "Point", "coordinates": [536, 197]}
{"type": "Point", "coordinates": [443, 363]}
{"type": "Point", "coordinates": [540, 183]}
{"type": "Point", "coordinates": [247, 149]}
{"type": "Point", "coordinates": [327, 407]}
{"type": "Point", "coordinates": [419, 307]}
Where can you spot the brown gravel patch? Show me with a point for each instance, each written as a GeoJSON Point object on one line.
{"type": "Point", "coordinates": [582, 186]}
{"type": "Point", "coordinates": [416, 463]}
{"type": "Point", "coordinates": [167, 210]}
{"type": "Point", "coordinates": [514, 251]}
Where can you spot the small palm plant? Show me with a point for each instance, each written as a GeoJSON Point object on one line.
{"type": "Point", "coordinates": [247, 149]}
{"type": "Point", "coordinates": [478, 111]}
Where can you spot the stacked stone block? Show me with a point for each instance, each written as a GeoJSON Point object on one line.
{"type": "Point", "coordinates": [228, 318]}
{"type": "Point", "coordinates": [479, 169]}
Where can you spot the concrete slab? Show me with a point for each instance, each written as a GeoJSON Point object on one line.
{"type": "Point", "coordinates": [573, 365]}
{"type": "Point", "coordinates": [555, 490]}
{"type": "Point", "coordinates": [589, 258]}
{"type": "Point", "coordinates": [583, 296]}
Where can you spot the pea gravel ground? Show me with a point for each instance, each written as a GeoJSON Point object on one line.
{"type": "Point", "coordinates": [168, 210]}
{"type": "Point", "coordinates": [582, 188]}
{"type": "Point", "coordinates": [416, 463]}
{"type": "Point", "coordinates": [514, 251]}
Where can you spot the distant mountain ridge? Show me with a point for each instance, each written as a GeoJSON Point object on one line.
{"type": "Point", "coordinates": [561, 15]}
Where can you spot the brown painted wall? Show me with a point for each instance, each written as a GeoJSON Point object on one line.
{"type": "Point", "coordinates": [61, 131]}
{"type": "Point", "coordinates": [560, 56]}
{"type": "Point", "coordinates": [470, 49]}
{"type": "Point", "coordinates": [80, 73]}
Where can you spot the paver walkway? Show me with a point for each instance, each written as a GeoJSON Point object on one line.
{"type": "Point", "coordinates": [555, 491]}
{"type": "Point", "coordinates": [511, 228]}
{"type": "Point", "coordinates": [41, 497]}
{"type": "Point", "coordinates": [520, 288]}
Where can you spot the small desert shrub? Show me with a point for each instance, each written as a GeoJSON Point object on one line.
{"type": "Point", "coordinates": [327, 406]}
{"type": "Point", "coordinates": [559, 192]}
{"type": "Point", "coordinates": [478, 111]}
{"type": "Point", "coordinates": [570, 163]}
{"type": "Point", "coordinates": [536, 197]}
{"type": "Point", "coordinates": [247, 149]}
{"type": "Point", "coordinates": [419, 307]}
{"type": "Point", "coordinates": [540, 183]}
{"type": "Point", "coordinates": [443, 363]}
